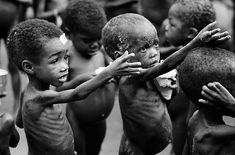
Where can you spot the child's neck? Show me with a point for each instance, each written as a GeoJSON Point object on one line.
{"type": "Point", "coordinates": [211, 115]}
{"type": "Point", "coordinates": [37, 84]}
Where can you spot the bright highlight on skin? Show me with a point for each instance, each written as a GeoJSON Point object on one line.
{"type": "Point", "coordinates": [63, 39]}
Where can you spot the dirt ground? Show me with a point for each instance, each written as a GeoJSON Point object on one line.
{"type": "Point", "coordinates": [114, 123]}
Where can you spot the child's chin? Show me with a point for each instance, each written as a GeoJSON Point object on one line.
{"type": "Point", "coordinates": [58, 84]}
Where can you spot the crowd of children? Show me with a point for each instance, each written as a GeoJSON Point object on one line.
{"type": "Point", "coordinates": [76, 67]}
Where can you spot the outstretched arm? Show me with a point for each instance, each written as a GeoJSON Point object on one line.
{"type": "Point", "coordinates": [215, 94]}
{"type": "Point", "coordinates": [207, 35]}
{"type": "Point", "coordinates": [75, 82]}
{"type": "Point", "coordinates": [119, 67]}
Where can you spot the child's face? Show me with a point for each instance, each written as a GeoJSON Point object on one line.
{"type": "Point", "coordinates": [175, 30]}
{"type": "Point", "coordinates": [53, 67]}
{"type": "Point", "coordinates": [86, 44]}
{"type": "Point", "coordinates": [144, 42]}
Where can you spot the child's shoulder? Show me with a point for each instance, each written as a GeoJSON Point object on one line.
{"type": "Point", "coordinates": [36, 97]}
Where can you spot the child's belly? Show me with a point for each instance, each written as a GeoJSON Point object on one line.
{"type": "Point", "coordinates": [97, 106]}
{"type": "Point", "coordinates": [49, 134]}
{"type": "Point", "coordinates": [146, 122]}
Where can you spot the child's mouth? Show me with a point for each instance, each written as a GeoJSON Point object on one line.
{"type": "Point", "coordinates": [63, 78]}
{"type": "Point", "coordinates": [151, 64]}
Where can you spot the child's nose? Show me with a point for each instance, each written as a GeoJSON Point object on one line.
{"type": "Point", "coordinates": [167, 27]}
{"type": "Point", "coordinates": [94, 45]}
{"type": "Point", "coordinates": [153, 54]}
{"type": "Point", "coordinates": [64, 66]}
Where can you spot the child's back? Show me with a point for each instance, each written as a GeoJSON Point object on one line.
{"type": "Point", "coordinates": [207, 132]}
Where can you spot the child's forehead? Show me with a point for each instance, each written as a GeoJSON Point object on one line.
{"type": "Point", "coordinates": [55, 45]}
{"type": "Point", "coordinates": [145, 31]}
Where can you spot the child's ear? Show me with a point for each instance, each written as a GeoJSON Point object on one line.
{"type": "Point", "coordinates": [117, 54]}
{"type": "Point", "coordinates": [27, 67]}
{"type": "Point", "coordinates": [192, 33]}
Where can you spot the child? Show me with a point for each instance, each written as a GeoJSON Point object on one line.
{"type": "Point", "coordinates": [146, 123]}
{"type": "Point", "coordinates": [39, 50]}
{"type": "Point", "coordinates": [9, 136]}
{"type": "Point", "coordinates": [207, 132]}
{"type": "Point", "coordinates": [186, 19]}
{"type": "Point", "coordinates": [83, 21]}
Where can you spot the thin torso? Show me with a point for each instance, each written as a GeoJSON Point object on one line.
{"type": "Point", "coordinates": [47, 128]}
{"type": "Point", "coordinates": [100, 102]}
{"type": "Point", "coordinates": [145, 117]}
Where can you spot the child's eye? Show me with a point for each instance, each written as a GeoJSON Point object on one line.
{"type": "Point", "coordinates": [143, 50]}
{"type": "Point", "coordinates": [66, 57]}
{"type": "Point", "coordinates": [156, 45]}
{"type": "Point", "coordinates": [54, 60]}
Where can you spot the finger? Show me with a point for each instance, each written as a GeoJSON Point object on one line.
{"type": "Point", "coordinates": [212, 92]}
{"type": "Point", "coordinates": [210, 26]}
{"type": "Point", "coordinates": [205, 102]}
{"type": "Point", "coordinates": [173, 86]}
{"type": "Point", "coordinates": [220, 35]}
{"type": "Point", "coordinates": [130, 73]}
{"type": "Point", "coordinates": [220, 87]}
{"type": "Point", "coordinates": [207, 96]}
{"type": "Point", "coordinates": [213, 87]}
{"type": "Point", "coordinates": [133, 64]}
{"type": "Point", "coordinates": [127, 56]}
{"type": "Point", "coordinates": [132, 69]}
{"type": "Point", "coordinates": [223, 39]}
{"type": "Point", "coordinates": [214, 31]}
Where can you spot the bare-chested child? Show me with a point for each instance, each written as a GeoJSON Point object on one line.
{"type": "Point", "coordinates": [146, 122]}
{"type": "Point", "coordinates": [9, 136]}
{"type": "Point", "coordinates": [186, 19]}
{"type": "Point", "coordinates": [83, 21]}
{"type": "Point", "coordinates": [40, 50]}
{"type": "Point", "coordinates": [207, 132]}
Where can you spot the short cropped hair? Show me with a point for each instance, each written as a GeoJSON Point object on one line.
{"type": "Point", "coordinates": [27, 39]}
{"type": "Point", "coordinates": [84, 15]}
{"type": "Point", "coordinates": [204, 65]}
{"type": "Point", "coordinates": [114, 32]}
{"type": "Point", "coordinates": [195, 13]}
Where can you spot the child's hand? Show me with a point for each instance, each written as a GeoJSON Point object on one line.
{"type": "Point", "coordinates": [210, 34]}
{"type": "Point", "coordinates": [215, 94]}
{"type": "Point", "coordinates": [121, 67]}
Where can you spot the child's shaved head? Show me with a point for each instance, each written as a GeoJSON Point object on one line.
{"type": "Point", "coordinates": [120, 30]}
{"type": "Point", "coordinates": [195, 13]}
{"type": "Point", "coordinates": [204, 65]}
{"type": "Point", "coordinates": [26, 40]}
